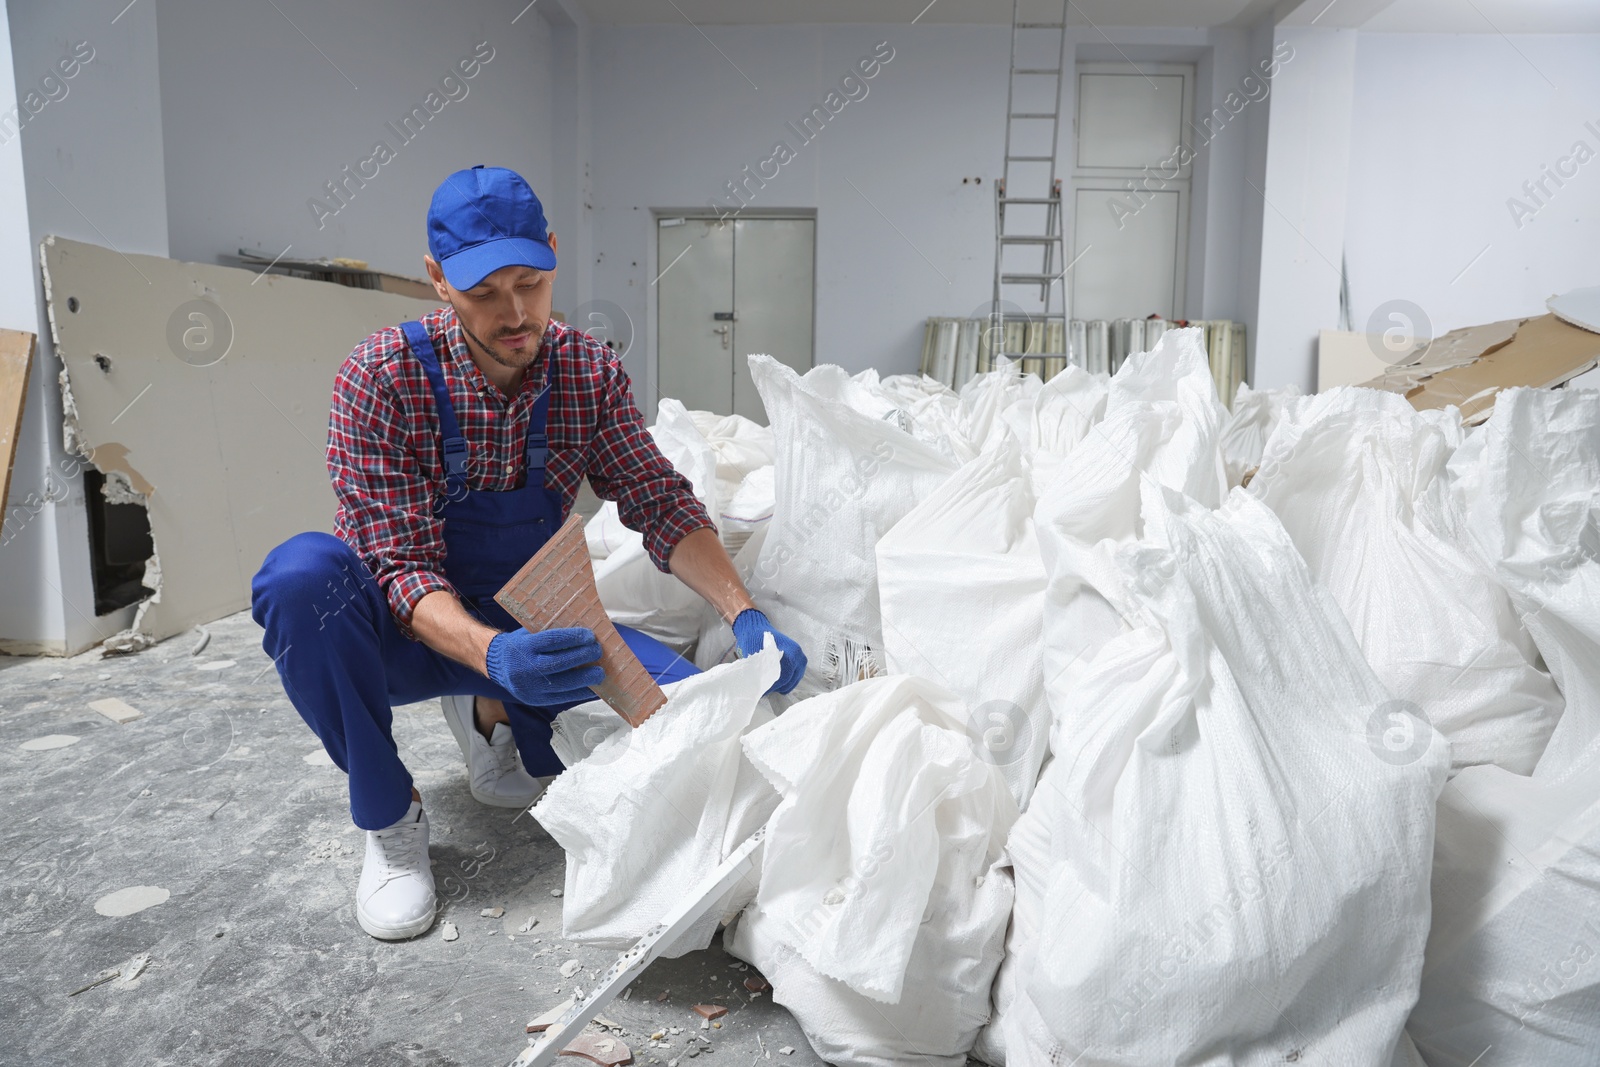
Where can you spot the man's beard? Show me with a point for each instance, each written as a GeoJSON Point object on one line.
{"type": "Point", "coordinates": [500, 357]}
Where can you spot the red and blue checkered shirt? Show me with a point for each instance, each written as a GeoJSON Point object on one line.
{"type": "Point", "coordinates": [384, 449]}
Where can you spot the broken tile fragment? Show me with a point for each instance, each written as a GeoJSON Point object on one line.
{"type": "Point", "coordinates": [605, 1051]}
{"type": "Point", "coordinates": [117, 710]}
{"type": "Point", "coordinates": [570, 968]}
{"type": "Point", "coordinates": [787, 1050]}
{"type": "Point", "coordinates": [492, 913]}
{"type": "Point", "coordinates": [550, 1018]}
{"type": "Point", "coordinates": [710, 1011]}
{"type": "Point", "coordinates": [757, 984]}
{"type": "Point", "coordinates": [450, 932]}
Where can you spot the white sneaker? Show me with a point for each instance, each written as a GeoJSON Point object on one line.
{"type": "Point", "coordinates": [395, 898]}
{"type": "Point", "coordinates": [494, 769]}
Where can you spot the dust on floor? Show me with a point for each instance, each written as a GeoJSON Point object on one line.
{"type": "Point", "coordinates": [219, 795]}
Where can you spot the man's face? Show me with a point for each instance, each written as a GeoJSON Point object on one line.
{"type": "Point", "coordinates": [505, 314]}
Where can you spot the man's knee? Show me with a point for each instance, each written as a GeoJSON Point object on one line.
{"type": "Point", "coordinates": [305, 570]}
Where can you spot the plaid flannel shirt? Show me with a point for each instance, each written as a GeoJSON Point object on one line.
{"type": "Point", "coordinates": [385, 454]}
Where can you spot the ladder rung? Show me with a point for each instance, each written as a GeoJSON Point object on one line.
{"type": "Point", "coordinates": [1030, 240]}
{"type": "Point", "coordinates": [1039, 25]}
{"type": "Point", "coordinates": [1028, 279]}
{"type": "Point", "coordinates": [1036, 70]}
{"type": "Point", "coordinates": [1034, 355]}
{"type": "Point", "coordinates": [1029, 200]}
{"type": "Point", "coordinates": [1032, 159]}
{"type": "Point", "coordinates": [1033, 114]}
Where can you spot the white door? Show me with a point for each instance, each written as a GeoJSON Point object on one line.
{"type": "Point", "coordinates": [1130, 190]}
{"type": "Point", "coordinates": [728, 290]}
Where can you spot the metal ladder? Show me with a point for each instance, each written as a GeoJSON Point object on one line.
{"type": "Point", "coordinates": [1049, 240]}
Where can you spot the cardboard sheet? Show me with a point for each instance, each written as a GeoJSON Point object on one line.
{"type": "Point", "coordinates": [208, 387]}
{"type": "Point", "coordinates": [1468, 367]}
{"type": "Point", "coordinates": [16, 356]}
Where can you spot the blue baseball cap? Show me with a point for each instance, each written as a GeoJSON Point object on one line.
{"type": "Point", "coordinates": [483, 219]}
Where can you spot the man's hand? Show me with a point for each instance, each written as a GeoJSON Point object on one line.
{"type": "Point", "coordinates": [547, 668]}
{"type": "Point", "coordinates": [750, 628]}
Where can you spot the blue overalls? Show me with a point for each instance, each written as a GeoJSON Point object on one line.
{"type": "Point", "coordinates": [345, 663]}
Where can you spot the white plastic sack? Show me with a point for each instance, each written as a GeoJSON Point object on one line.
{"type": "Point", "coordinates": [1352, 475]}
{"type": "Point", "coordinates": [1255, 413]}
{"type": "Point", "coordinates": [961, 587]}
{"type": "Point", "coordinates": [1237, 865]}
{"type": "Point", "coordinates": [750, 507]}
{"type": "Point", "coordinates": [1513, 960]}
{"type": "Point", "coordinates": [880, 914]}
{"type": "Point", "coordinates": [843, 479]}
{"type": "Point", "coordinates": [644, 814]}
{"type": "Point", "coordinates": [1161, 426]}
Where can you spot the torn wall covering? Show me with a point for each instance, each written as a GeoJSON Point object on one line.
{"type": "Point", "coordinates": [207, 389]}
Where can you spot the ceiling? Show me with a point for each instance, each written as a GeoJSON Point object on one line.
{"type": "Point", "coordinates": [1389, 16]}
{"type": "Point", "coordinates": [771, 12]}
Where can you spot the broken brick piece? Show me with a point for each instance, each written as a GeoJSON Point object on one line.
{"type": "Point", "coordinates": [599, 1049]}
{"type": "Point", "coordinates": [710, 1011]}
{"type": "Point", "coordinates": [757, 984]}
{"type": "Point", "coordinates": [556, 588]}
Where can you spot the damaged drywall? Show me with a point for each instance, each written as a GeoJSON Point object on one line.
{"type": "Point", "coordinates": [202, 393]}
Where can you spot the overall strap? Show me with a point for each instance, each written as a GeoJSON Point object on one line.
{"type": "Point", "coordinates": [538, 433]}
{"type": "Point", "coordinates": [455, 445]}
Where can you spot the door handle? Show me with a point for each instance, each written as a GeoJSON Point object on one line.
{"type": "Point", "coordinates": [724, 331]}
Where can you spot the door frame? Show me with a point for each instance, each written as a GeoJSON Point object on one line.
{"type": "Point", "coordinates": [652, 385]}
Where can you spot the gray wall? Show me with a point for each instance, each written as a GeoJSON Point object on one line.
{"type": "Point", "coordinates": [257, 121]}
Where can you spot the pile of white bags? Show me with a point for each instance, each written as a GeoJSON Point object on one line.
{"type": "Point", "coordinates": [1513, 963]}
{"type": "Point", "coordinates": [881, 909]}
{"type": "Point", "coordinates": [1103, 760]}
{"type": "Point", "coordinates": [1356, 476]}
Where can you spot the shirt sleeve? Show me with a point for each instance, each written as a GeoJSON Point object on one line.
{"type": "Point", "coordinates": [626, 466]}
{"type": "Point", "coordinates": [384, 498]}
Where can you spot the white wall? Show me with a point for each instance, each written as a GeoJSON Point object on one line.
{"type": "Point", "coordinates": [93, 172]}
{"type": "Point", "coordinates": [1446, 129]}
{"type": "Point", "coordinates": [675, 121]}
{"type": "Point", "coordinates": [257, 121]}
{"type": "Point", "coordinates": [1303, 216]}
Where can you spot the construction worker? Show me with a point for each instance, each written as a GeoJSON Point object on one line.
{"type": "Point", "coordinates": [456, 446]}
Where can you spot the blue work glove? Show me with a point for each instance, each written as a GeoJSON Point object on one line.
{"type": "Point", "coordinates": [749, 629]}
{"type": "Point", "coordinates": [547, 668]}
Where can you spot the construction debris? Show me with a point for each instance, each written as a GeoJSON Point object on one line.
{"type": "Point", "coordinates": [116, 709]}
{"type": "Point", "coordinates": [1054, 598]}
{"type": "Point", "coordinates": [710, 1011]}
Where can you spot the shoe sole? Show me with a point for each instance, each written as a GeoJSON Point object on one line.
{"type": "Point", "coordinates": [402, 932]}
{"type": "Point", "coordinates": [458, 731]}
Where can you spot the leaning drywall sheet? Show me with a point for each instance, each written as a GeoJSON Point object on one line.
{"type": "Point", "coordinates": [16, 355]}
{"type": "Point", "coordinates": [208, 387]}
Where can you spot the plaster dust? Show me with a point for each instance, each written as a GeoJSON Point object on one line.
{"type": "Point", "coordinates": [131, 901]}
{"type": "Point", "coordinates": [256, 393]}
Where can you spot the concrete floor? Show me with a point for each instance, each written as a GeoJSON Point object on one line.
{"type": "Point", "coordinates": [221, 796]}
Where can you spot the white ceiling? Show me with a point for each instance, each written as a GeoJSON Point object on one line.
{"type": "Point", "coordinates": [770, 12]}
{"type": "Point", "coordinates": [1390, 16]}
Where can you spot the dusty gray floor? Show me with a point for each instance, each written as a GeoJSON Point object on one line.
{"type": "Point", "coordinates": [220, 795]}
